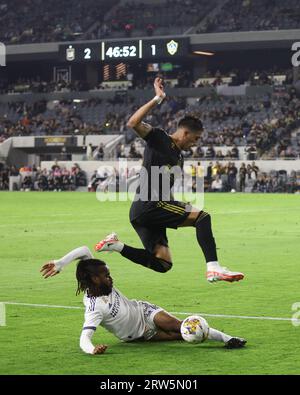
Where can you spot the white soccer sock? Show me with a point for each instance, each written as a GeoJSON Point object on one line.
{"type": "Point", "coordinates": [212, 266]}
{"type": "Point", "coordinates": [117, 246]}
{"type": "Point", "coordinates": [219, 336]}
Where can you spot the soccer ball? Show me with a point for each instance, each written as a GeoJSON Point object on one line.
{"type": "Point", "coordinates": [194, 329]}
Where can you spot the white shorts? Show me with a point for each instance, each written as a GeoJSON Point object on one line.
{"type": "Point", "coordinates": [150, 311]}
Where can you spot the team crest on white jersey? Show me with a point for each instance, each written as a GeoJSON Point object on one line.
{"type": "Point", "coordinates": [172, 47]}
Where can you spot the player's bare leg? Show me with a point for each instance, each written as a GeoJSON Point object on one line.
{"type": "Point", "coordinates": [202, 222]}
{"type": "Point", "coordinates": [168, 325]}
{"type": "Point", "coordinates": [162, 252]}
{"type": "Point", "coordinates": [169, 329]}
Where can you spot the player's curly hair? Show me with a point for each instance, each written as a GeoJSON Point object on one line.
{"type": "Point", "coordinates": [86, 269]}
{"type": "Point", "coordinates": [191, 122]}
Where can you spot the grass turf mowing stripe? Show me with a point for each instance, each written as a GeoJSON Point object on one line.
{"type": "Point", "coordinates": [245, 317]}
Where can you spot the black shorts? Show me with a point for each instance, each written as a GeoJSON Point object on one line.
{"type": "Point", "coordinates": [151, 220]}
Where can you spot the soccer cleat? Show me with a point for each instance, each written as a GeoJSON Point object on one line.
{"type": "Point", "coordinates": [223, 274]}
{"type": "Point", "coordinates": [107, 243]}
{"type": "Point", "coordinates": [235, 342]}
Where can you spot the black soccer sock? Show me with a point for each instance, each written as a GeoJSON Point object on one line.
{"type": "Point", "coordinates": [205, 236]}
{"type": "Point", "coordinates": [145, 258]}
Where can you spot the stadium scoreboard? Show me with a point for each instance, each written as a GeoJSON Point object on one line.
{"type": "Point", "coordinates": [125, 50]}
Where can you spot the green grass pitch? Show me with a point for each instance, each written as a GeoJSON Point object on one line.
{"type": "Point", "coordinates": [256, 234]}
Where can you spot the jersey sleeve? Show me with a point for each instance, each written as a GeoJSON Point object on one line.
{"type": "Point", "coordinates": [78, 253]}
{"type": "Point", "coordinates": [158, 139]}
{"type": "Point", "coordinates": [93, 315]}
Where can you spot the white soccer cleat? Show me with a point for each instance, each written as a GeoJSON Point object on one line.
{"type": "Point", "coordinates": [107, 244]}
{"type": "Point", "coordinates": [223, 274]}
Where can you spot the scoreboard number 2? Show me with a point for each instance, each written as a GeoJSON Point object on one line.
{"type": "Point", "coordinates": [87, 53]}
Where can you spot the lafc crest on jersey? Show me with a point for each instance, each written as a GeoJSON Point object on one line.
{"type": "Point", "coordinates": [172, 47]}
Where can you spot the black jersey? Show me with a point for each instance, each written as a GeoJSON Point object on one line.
{"type": "Point", "coordinates": [162, 163]}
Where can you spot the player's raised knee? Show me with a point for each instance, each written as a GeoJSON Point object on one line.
{"type": "Point", "coordinates": [203, 215]}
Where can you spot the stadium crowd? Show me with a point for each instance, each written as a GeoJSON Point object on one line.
{"type": "Point", "coordinates": [36, 179]}
{"type": "Point", "coordinates": [263, 124]}
{"type": "Point", "coordinates": [33, 21]}
{"type": "Point", "coordinates": [37, 85]}
{"type": "Point", "coordinates": [178, 79]}
{"type": "Point", "coordinates": [251, 15]}
{"type": "Point", "coordinates": [219, 177]}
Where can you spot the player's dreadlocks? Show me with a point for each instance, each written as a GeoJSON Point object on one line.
{"type": "Point", "coordinates": [86, 269]}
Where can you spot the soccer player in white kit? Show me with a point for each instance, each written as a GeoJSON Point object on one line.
{"type": "Point", "coordinates": [106, 306]}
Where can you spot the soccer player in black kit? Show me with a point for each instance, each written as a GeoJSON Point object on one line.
{"type": "Point", "coordinates": [154, 209]}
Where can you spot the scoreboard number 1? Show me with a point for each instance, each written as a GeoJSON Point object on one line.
{"type": "Point", "coordinates": [153, 49]}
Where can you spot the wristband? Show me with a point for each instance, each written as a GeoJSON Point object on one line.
{"type": "Point", "coordinates": [159, 99]}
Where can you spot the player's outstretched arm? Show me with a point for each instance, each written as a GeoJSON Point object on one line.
{"type": "Point", "coordinates": [86, 343]}
{"type": "Point", "coordinates": [54, 267]}
{"type": "Point", "coordinates": [136, 120]}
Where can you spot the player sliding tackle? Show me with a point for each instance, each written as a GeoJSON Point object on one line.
{"type": "Point", "coordinates": [154, 208]}
{"type": "Point", "coordinates": [106, 306]}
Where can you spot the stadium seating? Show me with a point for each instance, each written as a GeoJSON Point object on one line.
{"type": "Point", "coordinates": [33, 21]}
{"type": "Point", "coordinates": [268, 122]}
{"type": "Point", "coordinates": [251, 15]}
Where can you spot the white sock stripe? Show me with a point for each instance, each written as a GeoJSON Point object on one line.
{"type": "Point", "coordinates": [245, 317]}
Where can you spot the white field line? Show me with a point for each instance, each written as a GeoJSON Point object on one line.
{"type": "Point", "coordinates": [216, 212]}
{"type": "Point", "coordinates": [244, 317]}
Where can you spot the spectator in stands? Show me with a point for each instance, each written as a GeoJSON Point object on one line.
{"type": "Point", "coordinates": [150, 29]}
{"type": "Point", "coordinates": [210, 152]}
{"type": "Point", "coordinates": [94, 182]}
{"type": "Point", "coordinates": [234, 152]}
{"type": "Point", "coordinates": [209, 172]}
{"type": "Point", "coordinates": [133, 154]}
{"type": "Point", "coordinates": [14, 171]}
{"type": "Point", "coordinates": [199, 170]}
{"type": "Point", "coordinates": [27, 184]}
{"type": "Point", "coordinates": [120, 151]}
{"type": "Point", "coordinates": [128, 28]}
{"type": "Point", "coordinates": [251, 174]}
{"type": "Point", "coordinates": [219, 155]}
{"type": "Point", "coordinates": [242, 177]}
{"type": "Point", "coordinates": [217, 184]}
{"type": "Point", "coordinates": [232, 172]}
{"type": "Point", "coordinates": [99, 152]}
{"type": "Point", "coordinates": [4, 178]}
{"type": "Point", "coordinates": [216, 169]}
{"type": "Point", "coordinates": [78, 176]}
{"type": "Point", "coordinates": [42, 181]}
{"type": "Point", "coordinates": [260, 184]}
{"type": "Point", "coordinates": [198, 153]}
{"type": "Point", "coordinates": [255, 168]}
{"type": "Point", "coordinates": [252, 152]}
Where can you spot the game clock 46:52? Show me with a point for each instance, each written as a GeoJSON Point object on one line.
{"type": "Point", "coordinates": [127, 49]}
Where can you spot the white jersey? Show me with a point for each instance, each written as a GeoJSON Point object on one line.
{"type": "Point", "coordinates": [125, 318]}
